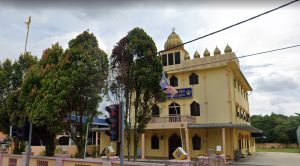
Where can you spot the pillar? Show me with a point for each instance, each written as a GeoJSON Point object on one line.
{"type": "Point", "coordinates": [187, 144]}
{"type": "Point", "coordinates": [143, 145]}
{"type": "Point", "coordinates": [224, 143]}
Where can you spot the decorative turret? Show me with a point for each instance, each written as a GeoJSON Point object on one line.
{"type": "Point", "coordinates": [196, 55]}
{"type": "Point", "coordinates": [227, 49]}
{"type": "Point", "coordinates": [186, 56]}
{"type": "Point", "coordinates": [206, 53]}
{"type": "Point", "coordinates": [173, 40]}
{"type": "Point", "coordinates": [217, 51]}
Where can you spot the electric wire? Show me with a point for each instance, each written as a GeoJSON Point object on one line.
{"type": "Point", "coordinates": [231, 26]}
{"type": "Point", "coordinates": [240, 57]}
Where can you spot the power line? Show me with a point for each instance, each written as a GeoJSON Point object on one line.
{"type": "Point", "coordinates": [231, 26]}
{"type": "Point", "coordinates": [240, 57]}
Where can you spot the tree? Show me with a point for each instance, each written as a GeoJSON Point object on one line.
{"type": "Point", "coordinates": [277, 128]}
{"type": "Point", "coordinates": [11, 109]}
{"type": "Point", "coordinates": [42, 99]}
{"type": "Point", "coordinates": [139, 71]}
{"type": "Point", "coordinates": [83, 72]}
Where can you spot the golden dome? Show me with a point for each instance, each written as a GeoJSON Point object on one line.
{"type": "Point", "coordinates": [227, 49]}
{"type": "Point", "coordinates": [206, 53]}
{"type": "Point", "coordinates": [196, 54]}
{"type": "Point", "coordinates": [186, 56]}
{"type": "Point", "coordinates": [173, 40]}
{"type": "Point", "coordinates": [217, 51]}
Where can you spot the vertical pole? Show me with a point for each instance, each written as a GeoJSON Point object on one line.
{"type": "Point", "coordinates": [86, 136]}
{"type": "Point", "coordinates": [224, 144]}
{"type": "Point", "coordinates": [187, 142]}
{"type": "Point", "coordinates": [143, 146]}
{"type": "Point", "coordinates": [28, 148]}
{"type": "Point", "coordinates": [10, 131]}
{"type": "Point", "coordinates": [97, 148]}
{"type": "Point", "coordinates": [28, 24]}
{"type": "Point", "coordinates": [122, 134]}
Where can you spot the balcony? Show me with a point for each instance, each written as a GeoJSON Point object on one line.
{"type": "Point", "coordinates": [169, 122]}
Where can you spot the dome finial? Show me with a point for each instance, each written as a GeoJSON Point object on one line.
{"type": "Point", "coordinates": [196, 54]}
{"type": "Point", "coordinates": [206, 53]}
{"type": "Point", "coordinates": [173, 29]}
{"type": "Point", "coordinates": [227, 49]}
{"type": "Point", "coordinates": [217, 51]}
{"type": "Point", "coordinates": [173, 41]}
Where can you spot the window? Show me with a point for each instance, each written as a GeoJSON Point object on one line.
{"type": "Point", "coordinates": [173, 81]}
{"type": "Point", "coordinates": [177, 57]}
{"type": "Point", "coordinates": [155, 111]}
{"type": "Point", "coordinates": [173, 108]}
{"type": "Point", "coordinates": [154, 142]}
{"type": "Point", "coordinates": [164, 59]}
{"type": "Point", "coordinates": [193, 79]}
{"type": "Point", "coordinates": [170, 59]}
{"type": "Point", "coordinates": [195, 109]}
{"type": "Point", "coordinates": [196, 142]}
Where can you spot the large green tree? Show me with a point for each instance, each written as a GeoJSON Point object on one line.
{"type": "Point", "coordinates": [65, 88]}
{"type": "Point", "coordinates": [277, 128]}
{"type": "Point", "coordinates": [11, 108]}
{"type": "Point", "coordinates": [138, 74]}
{"type": "Point", "coordinates": [42, 98]}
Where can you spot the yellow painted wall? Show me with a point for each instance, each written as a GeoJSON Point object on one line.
{"type": "Point", "coordinates": [5, 160]}
{"type": "Point", "coordinates": [72, 163]}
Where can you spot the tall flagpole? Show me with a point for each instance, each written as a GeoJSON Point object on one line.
{"type": "Point", "coordinates": [28, 25]}
{"type": "Point", "coordinates": [28, 148]}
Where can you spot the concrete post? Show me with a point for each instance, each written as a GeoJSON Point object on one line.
{"type": "Point", "coordinates": [187, 143]}
{"type": "Point", "coordinates": [224, 144]}
{"type": "Point", "coordinates": [143, 146]}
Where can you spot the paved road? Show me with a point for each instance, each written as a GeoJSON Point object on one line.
{"type": "Point", "coordinates": [270, 159]}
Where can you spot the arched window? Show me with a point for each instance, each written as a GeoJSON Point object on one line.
{"type": "Point", "coordinates": [195, 109]}
{"type": "Point", "coordinates": [173, 81]}
{"type": "Point", "coordinates": [193, 79]}
{"type": "Point", "coordinates": [155, 111]}
{"type": "Point", "coordinates": [154, 142]}
{"type": "Point", "coordinates": [196, 142]}
{"type": "Point", "coordinates": [174, 112]}
{"type": "Point", "coordinates": [173, 108]}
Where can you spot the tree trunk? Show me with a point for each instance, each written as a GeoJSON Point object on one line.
{"type": "Point", "coordinates": [135, 141]}
{"type": "Point", "coordinates": [50, 143]}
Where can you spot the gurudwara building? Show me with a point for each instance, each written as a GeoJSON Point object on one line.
{"type": "Point", "coordinates": [212, 105]}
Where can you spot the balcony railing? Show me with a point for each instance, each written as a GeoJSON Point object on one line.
{"type": "Point", "coordinates": [173, 119]}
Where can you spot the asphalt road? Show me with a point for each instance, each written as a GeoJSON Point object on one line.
{"type": "Point", "coordinates": [270, 159]}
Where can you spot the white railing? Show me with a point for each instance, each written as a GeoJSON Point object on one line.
{"type": "Point", "coordinates": [173, 119]}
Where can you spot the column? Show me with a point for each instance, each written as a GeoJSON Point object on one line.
{"type": "Point", "coordinates": [97, 148]}
{"type": "Point", "coordinates": [187, 144]}
{"type": "Point", "coordinates": [224, 143]}
{"type": "Point", "coordinates": [143, 145]}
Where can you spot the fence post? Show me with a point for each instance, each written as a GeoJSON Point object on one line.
{"type": "Point", "coordinates": [58, 161]}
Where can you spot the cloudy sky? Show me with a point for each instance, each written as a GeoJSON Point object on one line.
{"type": "Point", "coordinates": [274, 77]}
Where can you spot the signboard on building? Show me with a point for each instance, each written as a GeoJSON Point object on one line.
{"type": "Point", "coordinates": [182, 93]}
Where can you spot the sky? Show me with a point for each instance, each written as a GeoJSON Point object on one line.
{"type": "Point", "coordinates": [274, 77]}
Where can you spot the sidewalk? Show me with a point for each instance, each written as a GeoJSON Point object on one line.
{"type": "Point", "coordinates": [270, 159]}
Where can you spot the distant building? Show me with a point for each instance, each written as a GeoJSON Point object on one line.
{"type": "Point", "coordinates": [212, 104]}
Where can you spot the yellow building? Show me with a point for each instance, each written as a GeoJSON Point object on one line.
{"type": "Point", "coordinates": [212, 105]}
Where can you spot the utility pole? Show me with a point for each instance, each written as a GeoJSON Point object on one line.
{"type": "Point", "coordinates": [28, 25]}
{"type": "Point", "coordinates": [28, 148]}
{"type": "Point", "coordinates": [122, 134]}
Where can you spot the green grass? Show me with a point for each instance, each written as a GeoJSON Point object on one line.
{"type": "Point", "coordinates": [287, 150]}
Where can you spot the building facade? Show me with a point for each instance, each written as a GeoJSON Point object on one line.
{"type": "Point", "coordinates": [210, 111]}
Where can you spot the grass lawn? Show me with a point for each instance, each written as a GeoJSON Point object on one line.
{"type": "Point", "coordinates": [288, 150]}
